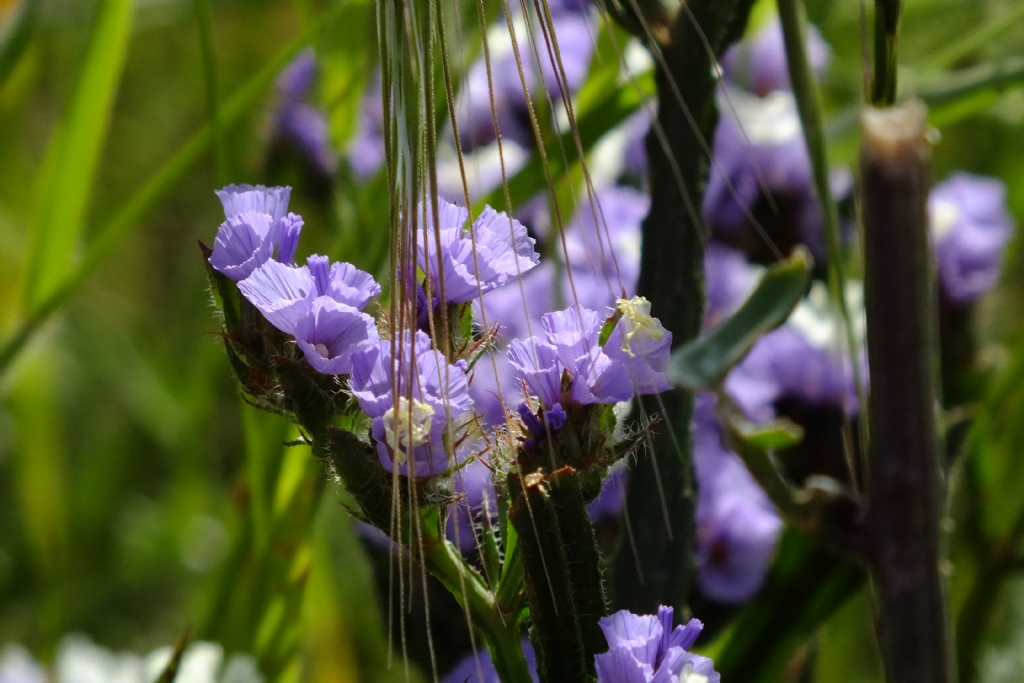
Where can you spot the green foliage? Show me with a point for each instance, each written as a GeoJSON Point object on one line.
{"type": "Point", "coordinates": [704, 362]}
{"type": "Point", "coordinates": [139, 495]}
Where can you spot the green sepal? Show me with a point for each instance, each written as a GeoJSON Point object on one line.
{"type": "Point", "coordinates": [308, 399]}
{"type": "Point", "coordinates": [704, 362]}
{"type": "Point", "coordinates": [225, 294]}
{"type": "Point", "coordinates": [355, 463]}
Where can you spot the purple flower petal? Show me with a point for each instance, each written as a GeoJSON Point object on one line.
{"type": "Point", "coordinates": [970, 227]}
{"type": "Point", "coordinates": [282, 293]}
{"type": "Point", "coordinates": [759, 63]}
{"type": "Point", "coordinates": [329, 333]}
{"type": "Point", "coordinates": [272, 201]}
{"type": "Point", "coordinates": [244, 242]}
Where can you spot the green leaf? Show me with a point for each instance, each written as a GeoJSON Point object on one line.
{"type": "Point", "coordinates": [69, 169]}
{"type": "Point", "coordinates": [772, 436]}
{"type": "Point", "coordinates": [703, 363]}
{"type": "Point", "coordinates": [804, 587]}
{"type": "Point", "coordinates": [15, 37]}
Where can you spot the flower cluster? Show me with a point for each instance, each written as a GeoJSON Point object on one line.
{"type": "Point", "coordinates": [646, 649]}
{"type": "Point", "coordinates": [407, 389]}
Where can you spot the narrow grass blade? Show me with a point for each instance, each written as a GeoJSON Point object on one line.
{"type": "Point", "coordinates": [72, 159]}
{"type": "Point", "coordinates": [204, 17]}
{"type": "Point", "coordinates": [16, 36]}
{"type": "Point", "coordinates": [159, 184]}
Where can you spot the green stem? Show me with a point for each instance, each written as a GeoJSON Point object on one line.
{"type": "Point", "coordinates": [887, 30]}
{"type": "Point", "coordinates": [808, 102]}
{"type": "Point", "coordinates": [502, 634]}
{"type": "Point", "coordinates": [510, 587]}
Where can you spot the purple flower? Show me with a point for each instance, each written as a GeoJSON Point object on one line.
{"type": "Point", "coordinates": [570, 347]}
{"type": "Point", "coordinates": [602, 246]}
{"type": "Point", "coordinates": [759, 144]}
{"type": "Point", "coordinates": [498, 250]}
{"type": "Point", "coordinates": [429, 397]}
{"type": "Point", "coordinates": [728, 279]}
{"type": "Point", "coordinates": [612, 498]}
{"type": "Point", "coordinates": [285, 293]}
{"type": "Point", "coordinates": [519, 307]}
{"type": "Point", "coordinates": [305, 125]}
{"type": "Point", "coordinates": [367, 150]}
{"type": "Point", "coordinates": [970, 227]}
{"type": "Point", "coordinates": [574, 35]}
{"type": "Point", "coordinates": [329, 333]}
{"type": "Point", "coordinates": [786, 364]}
{"type": "Point", "coordinates": [296, 79]}
{"type": "Point", "coordinates": [257, 225]}
{"type": "Point", "coordinates": [642, 345]}
{"type": "Point", "coordinates": [272, 201]}
{"type": "Point", "coordinates": [492, 386]}
{"type": "Point", "coordinates": [479, 668]}
{"type": "Point", "coordinates": [646, 649]}
{"type": "Point", "coordinates": [759, 65]}
{"type": "Point", "coordinates": [737, 526]}
{"type": "Point", "coordinates": [299, 122]}
{"type": "Point", "coordinates": [604, 256]}
{"type": "Point", "coordinates": [474, 487]}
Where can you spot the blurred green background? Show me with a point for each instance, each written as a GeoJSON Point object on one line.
{"type": "Point", "coordinates": [140, 496]}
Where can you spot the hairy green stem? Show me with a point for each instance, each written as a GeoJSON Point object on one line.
{"type": "Point", "coordinates": [656, 569]}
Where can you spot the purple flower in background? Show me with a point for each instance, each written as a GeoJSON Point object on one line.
{"type": "Point", "coordinates": [306, 126]}
{"type": "Point", "coordinates": [759, 147]}
{"type": "Point", "coordinates": [519, 307]}
{"type": "Point", "coordinates": [411, 423]}
{"type": "Point", "coordinates": [493, 385]}
{"type": "Point", "coordinates": [575, 37]}
{"type": "Point", "coordinates": [602, 246]}
{"type": "Point", "coordinates": [285, 293]}
{"type": "Point", "coordinates": [296, 79]}
{"type": "Point", "coordinates": [641, 344]}
{"type": "Point", "coordinates": [646, 649]}
{"type": "Point", "coordinates": [473, 666]}
{"type": "Point", "coordinates": [498, 250]}
{"type": "Point", "coordinates": [758, 64]}
{"type": "Point", "coordinates": [570, 346]}
{"type": "Point", "coordinates": [728, 279]}
{"type": "Point", "coordinates": [737, 526]}
{"type": "Point", "coordinates": [257, 225]}
{"type": "Point", "coordinates": [299, 122]}
{"type": "Point", "coordinates": [786, 363]}
{"type": "Point", "coordinates": [367, 150]}
{"type": "Point", "coordinates": [612, 498]}
{"type": "Point", "coordinates": [604, 256]}
{"type": "Point", "coordinates": [329, 333]}
{"type": "Point", "coordinates": [970, 227]}
{"type": "Point", "coordinates": [474, 486]}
